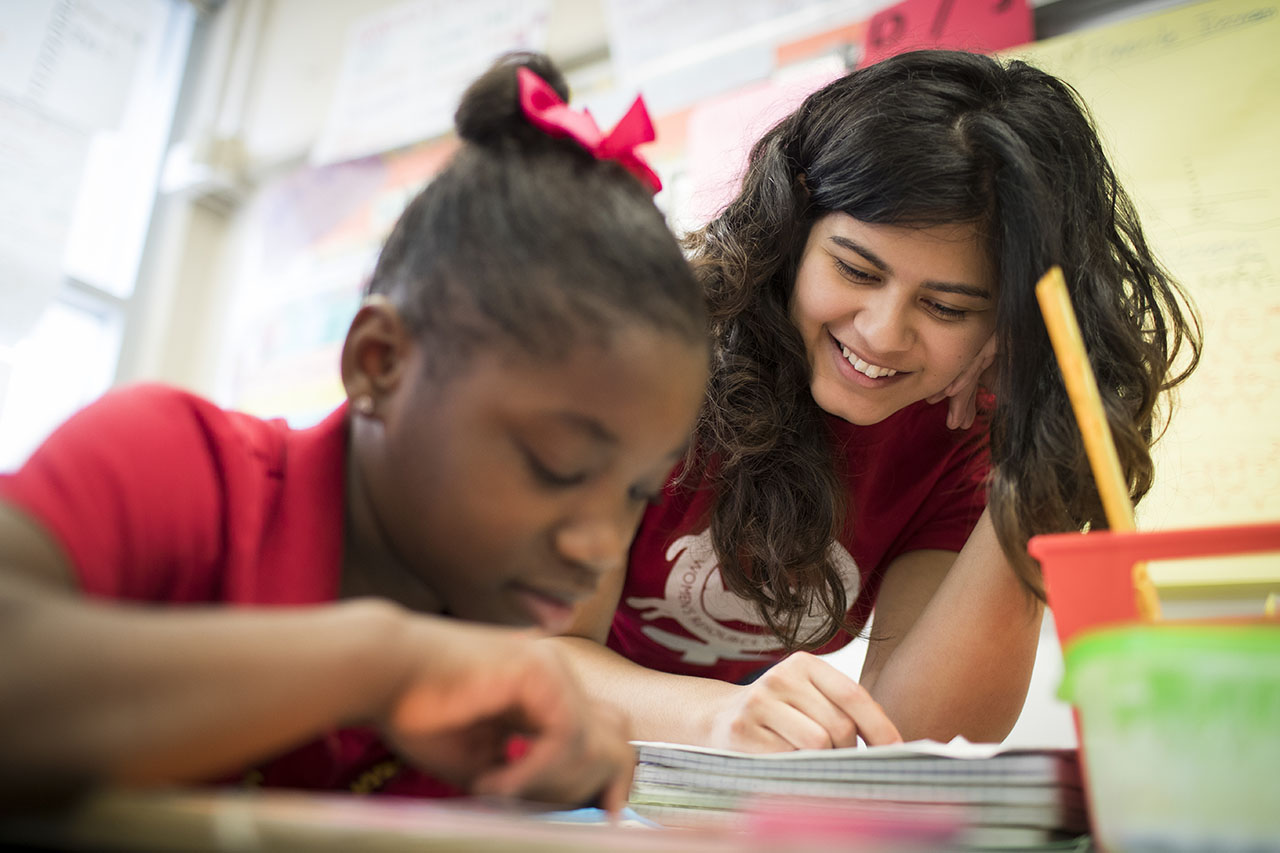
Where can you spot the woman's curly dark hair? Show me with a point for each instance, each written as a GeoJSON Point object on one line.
{"type": "Point", "coordinates": [927, 138]}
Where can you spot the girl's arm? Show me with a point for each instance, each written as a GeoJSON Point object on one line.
{"type": "Point", "coordinates": [953, 642]}
{"type": "Point", "coordinates": [93, 691]}
{"type": "Point", "coordinates": [801, 703]}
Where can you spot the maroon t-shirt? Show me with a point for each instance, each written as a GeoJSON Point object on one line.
{"type": "Point", "coordinates": [912, 484]}
{"type": "Point", "coordinates": [158, 496]}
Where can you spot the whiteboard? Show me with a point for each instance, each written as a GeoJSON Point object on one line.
{"type": "Point", "coordinates": [1188, 102]}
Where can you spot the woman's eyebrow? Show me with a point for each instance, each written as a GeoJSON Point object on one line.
{"type": "Point", "coordinates": [855, 246]}
{"type": "Point", "coordinates": [876, 261]}
{"type": "Point", "coordinates": [960, 289]}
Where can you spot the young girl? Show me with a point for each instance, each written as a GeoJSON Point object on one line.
{"type": "Point", "coordinates": [523, 375]}
{"type": "Point", "coordinates": [882, 254]}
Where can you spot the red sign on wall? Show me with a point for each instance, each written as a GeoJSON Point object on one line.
{"type": "Point", "coordinates": [977, 25]}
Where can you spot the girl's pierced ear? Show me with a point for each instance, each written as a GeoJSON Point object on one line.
{"type": "Point", "coordinates": [364, 405]}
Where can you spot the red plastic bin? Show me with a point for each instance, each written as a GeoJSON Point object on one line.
{"type": "Point", "coordinates": [1088, 577]}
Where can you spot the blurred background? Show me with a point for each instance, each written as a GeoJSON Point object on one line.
{"type": "Point", "coordinates": [194, 191]}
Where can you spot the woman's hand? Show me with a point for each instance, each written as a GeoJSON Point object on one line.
{"type": "Point", "coordinates": [802, 702]}
{"type": "Point", "coordinates": [499, 714]}
{"type": "Point", "coordinates": [963, 390]}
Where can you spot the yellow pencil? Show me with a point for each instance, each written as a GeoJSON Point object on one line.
{"type": "Point", "coordinates": [1082, 388]}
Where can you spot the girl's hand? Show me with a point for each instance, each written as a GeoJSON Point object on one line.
{"type": "Point", "coordinates": [963, 390]}
{"type": "Point", "coordinates": [802, 702]}
{"type": "Point", "coordinates": [499, 714]}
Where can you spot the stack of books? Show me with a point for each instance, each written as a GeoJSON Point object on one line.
{"type": "Point", "coordinates": [980, 796]}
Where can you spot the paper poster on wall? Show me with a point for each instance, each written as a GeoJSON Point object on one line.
{"type": "Point", "coordinates": [978, 25]}
{"type": "Point", "coordinates": [40, 163]}
{"type": "Point", "coordinates": [73, 59]}
{"type": "Point", "coordinates": [1188, 102]}
{"type": "Point", "coordinates": [404, 70]}
{"type": "Point", "coordinates": [717, 46]}
{"type": "Point", "coordinates": [641, 33]}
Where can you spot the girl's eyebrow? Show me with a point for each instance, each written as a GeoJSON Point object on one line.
{"type": "Point", "coordinates": [601, 434]}
{"type": "Point", "coordinates": [941, 286]}
{"type": "Point", "coordinates": [585, 424]}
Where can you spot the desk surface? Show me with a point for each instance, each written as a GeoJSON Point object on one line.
{"type": "Point", "coordinates": [239, 821]}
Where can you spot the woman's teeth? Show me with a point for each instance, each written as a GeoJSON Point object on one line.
{"type": "Point", "coordinates": [872, 370]}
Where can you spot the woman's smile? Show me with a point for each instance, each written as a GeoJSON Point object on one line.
{"type": "Point", "coordinates": [862, 372]}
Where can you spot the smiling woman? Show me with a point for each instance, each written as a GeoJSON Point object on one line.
{"type": "Point", "coordinates": [875, 273]}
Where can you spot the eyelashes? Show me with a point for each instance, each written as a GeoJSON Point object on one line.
{"type": "Point", "coordinates": [853, 273]}
{"type": "Point", "coordinates": [946, 312]}
{"type": "Point", "coordinates": [549, 478]}
{"type": "Point", "coordinates": [648, 497]}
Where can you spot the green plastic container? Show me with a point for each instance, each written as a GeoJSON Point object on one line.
{"type": "Point", "coordinates": [1180, 734]}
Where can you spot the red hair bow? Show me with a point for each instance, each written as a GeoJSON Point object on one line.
{"type": "Point", "coordinates": [547, 112]}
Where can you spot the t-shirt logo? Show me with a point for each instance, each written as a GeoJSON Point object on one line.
{"type": "Point", "coordinates": [696, 598]}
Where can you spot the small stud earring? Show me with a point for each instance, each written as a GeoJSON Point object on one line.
{"type": "Point", "coordinates": [363, 405]}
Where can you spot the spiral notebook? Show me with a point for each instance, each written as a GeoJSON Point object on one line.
{"type": "Point", "coordinates": [1000, 798]}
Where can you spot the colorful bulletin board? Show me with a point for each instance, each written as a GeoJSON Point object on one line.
{"type": "Point", "coordinates": [1188, 102]}
{"type": "Point", "coordinates": [316, 236]}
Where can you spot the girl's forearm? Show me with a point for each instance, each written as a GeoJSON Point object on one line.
{"type": "Point", "coordinates": [123, 693]}
{"type": "Point", "coordinates": [659, 705]}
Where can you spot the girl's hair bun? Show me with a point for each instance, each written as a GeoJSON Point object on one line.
{"type": "Point", "coordinates": [490, 109]}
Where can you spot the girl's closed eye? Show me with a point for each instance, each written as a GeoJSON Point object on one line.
{"type": "Point", "coordinates": [549, 475]}
{"type": "Point", "coordinates": [648, 495]}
